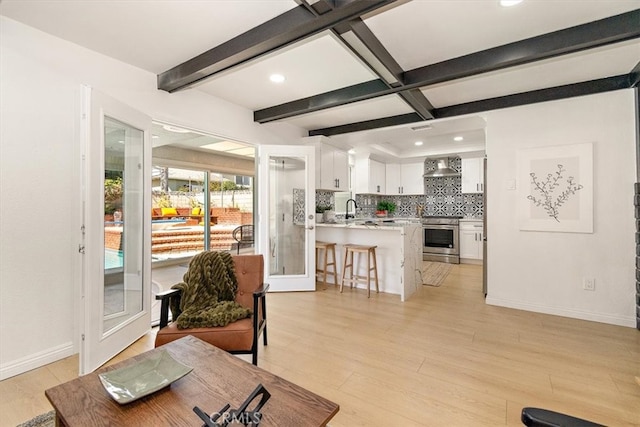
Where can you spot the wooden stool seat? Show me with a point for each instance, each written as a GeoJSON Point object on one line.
{"type": "Point", "coordinates": [327, 247]}
{"type": "Point", "coordinates": [372, 265]}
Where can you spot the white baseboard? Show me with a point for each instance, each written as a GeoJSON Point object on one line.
{"type": "Point", "coordinates": [574, 314]}
{"type": "Point", "coordinates": [36, 360]}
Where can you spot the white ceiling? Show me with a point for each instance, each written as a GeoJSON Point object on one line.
{"type": "Point", "coordinates": [445, 29]}
{"type": "Point", "coordinates": [158, 35]}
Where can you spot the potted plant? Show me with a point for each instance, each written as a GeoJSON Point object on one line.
{"type": "Point", "coordinates": [320, 210]}
{"type": "Point", "coordinates": [112, 197]}
{"type": "Point", "coordinates": [385, 207]}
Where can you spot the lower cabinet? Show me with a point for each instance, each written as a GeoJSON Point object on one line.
{"type": "Point", "coordinates": [471, 241]}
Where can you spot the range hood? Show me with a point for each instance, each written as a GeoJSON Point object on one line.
{"type": "Point", "coordinates": [442, 169]}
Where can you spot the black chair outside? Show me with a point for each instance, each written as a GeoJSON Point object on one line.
{"type": "Point", "coordinates": [243, 235]}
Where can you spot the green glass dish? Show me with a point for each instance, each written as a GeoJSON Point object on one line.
{"type": "Point", "coordinates": [132, 382]}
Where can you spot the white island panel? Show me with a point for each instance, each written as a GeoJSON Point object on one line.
{"type": "Point", "coordinates": [399, 253]}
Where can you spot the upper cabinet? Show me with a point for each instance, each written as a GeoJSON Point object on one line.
{"type": "Point", "coordinates": [473, 175]}
{"type": "Point", "coordinates": [333, 173]}
{"type": "Point", "coordinates": [392, 179]}
{"type": "Point", "coordinates": [411, 178]}
{"type": "Point", "coordinates": [404, 178]}
{"type": "Point", "coordinates": [369, 176]}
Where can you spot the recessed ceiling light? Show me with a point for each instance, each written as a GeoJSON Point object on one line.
{"type": "Point", "coordinates": [458, 138]}
{"type": "Point", "coordinates": [276, 78]}
{"type": "Point", "coordinates": [155, 136]}
{"type": "Point", "coordinates": [174, 129]}
{"type": "Point", "coordinates": [418, 143]}
{"type": "Point", "coordinates": [507, 3]}
{"type": "Point", "coordinates": [352, 151]}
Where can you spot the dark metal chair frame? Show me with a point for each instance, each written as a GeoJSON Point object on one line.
{"type": "Point", "coordinates": [243, 235]}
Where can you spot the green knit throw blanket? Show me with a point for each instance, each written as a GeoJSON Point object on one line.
{"type": "Point", "coordinates": [208, 292]}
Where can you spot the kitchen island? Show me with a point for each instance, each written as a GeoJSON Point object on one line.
{"type": "Point", "coordinates": [399, 251]}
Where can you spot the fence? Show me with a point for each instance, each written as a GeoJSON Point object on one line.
{"type": "Point", "coordinates": [241, 199]}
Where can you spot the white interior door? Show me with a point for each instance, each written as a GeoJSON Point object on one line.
{"type": "Point", "coordinates": [116, 266]}
{"type": "Point", "coordinates": [286, 216]}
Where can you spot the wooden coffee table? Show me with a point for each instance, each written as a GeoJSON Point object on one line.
{"type": "Point", "coordinates": [217, 378]}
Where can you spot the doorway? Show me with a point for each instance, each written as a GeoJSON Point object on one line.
{"type": "Point", "coordinates": [202, 188]}
{"type": "Point", "coordinates": [286, 231]}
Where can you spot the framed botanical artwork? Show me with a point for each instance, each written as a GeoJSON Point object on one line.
{"type": "Point", "coordinates": [555, 188]}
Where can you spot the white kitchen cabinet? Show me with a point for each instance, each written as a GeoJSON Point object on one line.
{"type": "Point", "coordinates": [404, 178]}
{"type": "Point", "coordinates": [369, 176]}
{"type": "Point", "coordinates": [471, 234]}
{"type": "Point", "coordinates": [473, 175]}
{"type": "Point", "coordinates": [333, 172]}
{"type": "Point", "coordinates": [392, 179]}
{"type": "Point", "coordinates": [411, 178]}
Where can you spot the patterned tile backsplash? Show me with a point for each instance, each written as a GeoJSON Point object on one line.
{"type": "Point", "coordinates": [443, 197]}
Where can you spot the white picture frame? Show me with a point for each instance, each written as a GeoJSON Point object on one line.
{"type": "Point", "coordinates": [555, 188]}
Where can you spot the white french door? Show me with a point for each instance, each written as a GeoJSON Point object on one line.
{"type": "Point", "coordinates": [116, 261]}
{"type": "Point", "coordinates": [286, 216]}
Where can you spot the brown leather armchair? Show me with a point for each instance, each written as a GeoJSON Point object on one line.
{"type": "Point", "coordinates": [239, 337]}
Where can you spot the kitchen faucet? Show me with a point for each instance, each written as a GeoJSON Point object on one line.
{"type": "Point", "coordinates": [346, 208]}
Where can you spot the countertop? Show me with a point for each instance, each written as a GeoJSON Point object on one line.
{"type": "Point", "coordinates": [397, 222]}
{"type": "Point", "coordinates": [371, 224]}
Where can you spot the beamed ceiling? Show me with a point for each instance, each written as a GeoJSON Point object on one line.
{"type": "Point", "coordinates": [366, 73]}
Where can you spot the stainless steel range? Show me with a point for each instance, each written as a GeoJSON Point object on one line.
{"type": "Point", "coordinates": [440, 239]}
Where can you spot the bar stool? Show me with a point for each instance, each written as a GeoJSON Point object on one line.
{"type": "Point", "coordinates": [370, 251]}
{"type": "Point", "coordinates": [327, 247]}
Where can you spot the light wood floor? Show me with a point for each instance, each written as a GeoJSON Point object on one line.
{"type": "Point", "coordinates": [443, 358]}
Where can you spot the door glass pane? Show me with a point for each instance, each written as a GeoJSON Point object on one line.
{"type": "Point", "coordinates": [123, 232]}
{"type": "Point", "coordinates": [177, 212]}
{"type": "Point", "coordinates": [179, 206]}
{"type": "Point", "coordinates": [287, 236]}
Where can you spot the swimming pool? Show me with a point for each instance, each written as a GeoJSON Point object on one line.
{"type": "Point", "coordinates": [112, 259]}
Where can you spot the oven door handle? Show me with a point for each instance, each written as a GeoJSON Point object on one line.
{"type": "Point", "coordinates": [440, 227]}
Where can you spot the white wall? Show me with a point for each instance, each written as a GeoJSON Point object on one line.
{"type": "Point", "coordinates": [40, 79]}
{"type": "Point", "coordinates": [543, 271]}
{"type": "Point", "coordinates": [37, 209]}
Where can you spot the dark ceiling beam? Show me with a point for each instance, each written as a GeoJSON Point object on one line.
{"type": "Point", "coordinates": [358, 92]}
{"type": "Point", "coordinates": [591, 87]}
{"type": "Point", "coordinates": [289, 27]}
{"type": "Point", "coordinates": [635, 75]}
{"type": "Point", "coordinates": [402, 119]}
{"type": "Point", "coordinates": [356, 28]}
{"type": "Point", "coordinates": [541, 95]}
{"type": "Point", "coordinates": [610, 30]}
{"type": "Point", "coordinates": [594, 34]}
{"type": "Point", "coordinates": [368, 39]}
{"type": "Point", "coordinates": [416, 100]}
{"type": "Point", "coordinates": [320, 7]}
